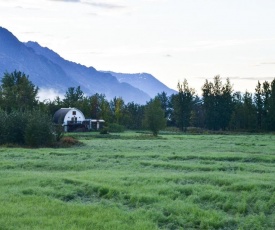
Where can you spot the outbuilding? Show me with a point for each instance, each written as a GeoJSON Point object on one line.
{"type": "Point", "coordinates": [72, 119]}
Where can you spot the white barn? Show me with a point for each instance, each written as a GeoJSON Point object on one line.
{"type": "Point", "coordinates": [73, 119]}
{"type": "Point", "coordinates": [68, 117]}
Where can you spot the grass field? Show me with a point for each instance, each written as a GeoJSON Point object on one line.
{"type": "Point", "coordinates": [134, 181]}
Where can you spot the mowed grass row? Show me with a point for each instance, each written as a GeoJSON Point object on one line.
{"type": "Point", "coordinates": [134, 181]}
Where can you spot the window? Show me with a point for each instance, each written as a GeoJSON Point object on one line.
{"type": "Point", "coordinates": [74, 112]}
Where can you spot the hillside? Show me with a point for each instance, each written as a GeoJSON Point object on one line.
{"type": "Point", "coordinates": [48, 70]}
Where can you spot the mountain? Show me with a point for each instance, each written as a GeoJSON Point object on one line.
{"type": "Point", "coordinates": [14, 55]}
{"type": "Point", "coordinates": [47, 70]}
{"type": "Point", "coordinates": [147, 82]}
{"type": "Point", "coordinates": [91, 80]}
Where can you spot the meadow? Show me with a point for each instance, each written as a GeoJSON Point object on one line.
{"type": "Point", "coordinates": [135, 181]}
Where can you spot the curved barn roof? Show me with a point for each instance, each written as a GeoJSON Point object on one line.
{"type": "Point", "coordinates": [60, 114]}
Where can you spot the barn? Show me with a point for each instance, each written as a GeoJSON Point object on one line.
{"type": "Point", "coordinates": [74, 120]}
{"type": "Point", "coordinates": [70, 118]}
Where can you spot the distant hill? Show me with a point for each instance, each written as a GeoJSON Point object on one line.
{"type": "Point", "coordinates": [48, 70]}
{"type": "Point", "coordinates": [147, 82]}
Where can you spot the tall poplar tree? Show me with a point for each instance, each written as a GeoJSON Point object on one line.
{"type": "Point", "coordinates": [154, 116]}
{"type": "Point", "coordinates": [258, 99]}
{"type": "Point", "coordinates": [271, 111]}
{"type": "Point", "coordinates": [17, 92]}
{"type": "Point", "coordinates": [217, 103]}
{"type": "Point", "coordinates": [73, 97]}
{"type": "Point", "coordinates": [266, 91]}
{"type": "Point", "coordinates": [182, 104]}
{"type": "Point", "coordinates": [209, 104]}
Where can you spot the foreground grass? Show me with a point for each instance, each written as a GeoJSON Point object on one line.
{"type": "Point", "coordinates": [132, 181]}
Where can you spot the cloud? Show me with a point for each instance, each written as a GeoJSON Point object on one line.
{"type": "Point", "coordinates": [65, 0]}
{"type": "Point", "coordinates": [237, 78]}
{"type": "Point", "coordinates": [267, 63]}
{"type": "Point", "coordinates": [48, 94]}
{"type": "Point", "coordinates": [104, 5]}
{"type": "Point", "coordinates": [261, 64]}
{"type": "Point", "coordinates": [252, 78]}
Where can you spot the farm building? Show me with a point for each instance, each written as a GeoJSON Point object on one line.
{"type": "Point", "coordinates": [74, 120]}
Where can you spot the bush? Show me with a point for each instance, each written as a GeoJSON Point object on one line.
{"type": "Point", "coordinates": [12, 127]}
{"type": "Point", "coordinates": [39, 130]}
{"type": "Point", "coordinates": [116, 128]}
{"type": "Point", "coordinates": [104, 131]}
{"type": "Point", "coordinates": [3, 127]}
{"type": "Point", "coordinates": [59, 131]}
{"type": "Point", "coordinates": [68, 141]}
{"type": "Point", "coordinates": [26, 128]}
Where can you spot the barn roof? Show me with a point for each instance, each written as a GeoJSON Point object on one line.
{"type": "Point", "coordinates": [60, 114]}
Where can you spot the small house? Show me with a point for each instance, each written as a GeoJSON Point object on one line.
{"type": "Point", "coordinates": [74, 120]}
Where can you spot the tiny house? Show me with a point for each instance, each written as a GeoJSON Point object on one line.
{"type": "Point", "coordinates": [72, 119]}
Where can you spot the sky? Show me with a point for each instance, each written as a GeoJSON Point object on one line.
{"type": "Point", "coordinates": [171, 39]}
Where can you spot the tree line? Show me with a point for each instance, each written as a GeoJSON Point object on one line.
{"type": "Point", "coordinates": [219, 107]}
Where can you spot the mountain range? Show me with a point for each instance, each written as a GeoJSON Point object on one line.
{"type": "Point", "coordinates": [49, 71]}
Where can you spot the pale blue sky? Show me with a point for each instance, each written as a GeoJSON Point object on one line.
{"type": "Point", "coordinates": [171, 39]}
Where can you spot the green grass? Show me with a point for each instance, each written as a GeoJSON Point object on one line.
{"type": "Point", "coordinates": [135, 181]}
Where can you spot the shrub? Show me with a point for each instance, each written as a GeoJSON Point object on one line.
{"type": "Point", "coordinates": [116, 128]}
{"type": "Point", "coordinates": [68, 141]}
{"type": "Point", "coordinates": [104, 131]}
{"type": "Point", "coordinates": [3, 116]}
{"type": "Point", "coordinates": [59, 131]}
{"type": "Point", "coordinates": [195, 130]}
{"type": "Point", "coordinates": [12, 127]}
{"type": "Point", "coordinates": [39, 130]}
{"type": "Point", "coordinates": [34, 129]}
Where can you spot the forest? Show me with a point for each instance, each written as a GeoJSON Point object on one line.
{"type": "Point", "coordinates": [219, 108]}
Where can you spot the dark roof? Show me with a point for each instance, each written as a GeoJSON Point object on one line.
{"type": "Point", "coordinates": [60, 114]}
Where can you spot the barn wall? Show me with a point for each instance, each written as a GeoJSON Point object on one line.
{"type": "Point", "coordinates": [75, 114]}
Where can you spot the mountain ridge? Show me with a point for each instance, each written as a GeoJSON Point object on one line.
{"type": "Point", "coordinates": [48, 70]}
{"type": "Point", "coordinates": [144, 80]}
